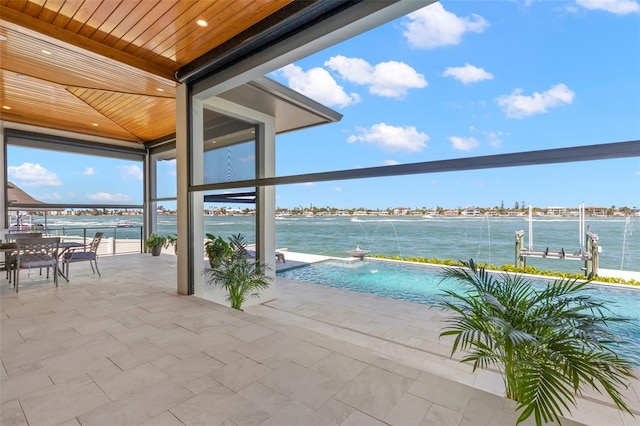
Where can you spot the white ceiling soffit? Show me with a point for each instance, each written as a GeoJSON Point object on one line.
{"type": "Point", "coordinates": [291, 109]}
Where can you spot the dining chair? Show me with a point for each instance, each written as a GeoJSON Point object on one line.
{"type": "Point", "coordinates": [90, 254]}
{"type": "Point", "coordinates": [10, 258]}
{"type": "Point", "coordinates": [36, 253]}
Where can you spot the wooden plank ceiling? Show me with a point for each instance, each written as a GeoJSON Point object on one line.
{"type": "Point", "coordinates": [106, 68]}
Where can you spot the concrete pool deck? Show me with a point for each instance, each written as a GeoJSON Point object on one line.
{"type": "Point", "coordinates": [125, 349]}
{"type": "Point", "coordinates": [403, 332]}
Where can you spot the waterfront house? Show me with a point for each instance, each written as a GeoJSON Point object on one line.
{"type": "Point", "coordinates": [400, 211]}
{"type": "Point", "coordinates": [596, 211]}
{"type": "Point", "coordinates": [470, 211]}
{"type": "Point", "coordinates": [555, 211]}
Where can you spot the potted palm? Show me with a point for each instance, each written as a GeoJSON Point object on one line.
{"type": "Point", "coordinates": [217, 249]}
{"type": "Point", "coordinates": [238, 275]}
{"type": "Point", "coordinates": [155, 242]}
{"type": "Point", "coordinates": [547, 341]}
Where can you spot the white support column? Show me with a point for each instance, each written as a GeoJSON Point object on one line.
{"type": "Point", "coordinates": [150, 191]}
{"type": "Point", "coordinates": [3, 173]}
{"type": "Point", "coordinates": [196, 199]}
{"type": "Point", "coordinates": [182, 181]}
{"type": "Point", "coordinates": [265, 204]}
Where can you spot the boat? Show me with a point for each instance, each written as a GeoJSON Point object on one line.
{"type": "Point", "coordinates": [124, 224]}
{"type": "Point", "coordinates": [358, 253]}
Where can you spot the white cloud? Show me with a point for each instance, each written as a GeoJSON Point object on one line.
{"type": "Point", "coordinates": [319, 85]}
{"type": "Point", "coordinates": [432, 27]}
{"type": "Point", "coordinates": [355, 70]}
{"type": "Point", "coordinates": [131, 171]}
{"type": "Point", "coordinates": [517, 105]}
{"type": "Point", "coordinates": [105, 196]}
{"type": "Point", "coordinates": [54, 196]}
{"type": "Point", "coordinates": [495, 138]}
{"type": "Point", "coordinates": [463, 144]}
{"type": "Point", "coordinates": [391, 138]}
{"type": "Point", "coordinates": [467, 74]}
{"type": "Point", "coordinates": [33, 175]}
{"type": "Point", "coordinates": [391, 162]}
{"type": "Point", "coordinates": [89, 171]}
{"type": "Point", "coordinates": [337, 188]}
{"type": "Point", "coordinates": [390, 79]}
{"type": "Point", "coordinates": [168, 167]}
{"type": "Point", "coordinates": [618, 7]}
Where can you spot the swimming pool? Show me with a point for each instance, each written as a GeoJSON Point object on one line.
{"type": "Point", "coordinates": [423, 284]}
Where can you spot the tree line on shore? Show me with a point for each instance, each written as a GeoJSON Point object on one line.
{"type": "Point", "coordinates": [517, 210]}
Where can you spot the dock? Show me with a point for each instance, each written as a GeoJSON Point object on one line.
{"type": "Point", "coordinates": [588, 256]}
{"type": "Point", "coordinates": [562, 254]}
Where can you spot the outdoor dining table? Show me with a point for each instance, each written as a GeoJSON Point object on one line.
{"type": "Point", "coordinates": [63, 246]}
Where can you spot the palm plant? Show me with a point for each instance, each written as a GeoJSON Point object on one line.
{"type": "Point", "coordinates": [238, 275]}
{"type": "Point", "coordinates": [217, 249]}
{"type": "Point", "coordinates": [548, 343]}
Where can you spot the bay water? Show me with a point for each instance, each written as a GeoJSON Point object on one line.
{"type": "Point", "coordinates": [485, 239]}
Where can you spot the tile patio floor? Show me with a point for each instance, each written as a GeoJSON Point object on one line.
{"type": "Point", "coordinates": [125, 349]}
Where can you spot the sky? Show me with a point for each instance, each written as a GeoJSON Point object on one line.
{"type": "Point", "coordinates": [454, 79]}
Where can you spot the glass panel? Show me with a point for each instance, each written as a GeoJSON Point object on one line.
{"type": "Point", "coordinates": [58, 177]}
{"type": "Point", "coordinates": [166, 178]}
{"type": "Point", "coordinates": [225, 216]}
{"type": "Point", "coordinates": [229, 149]}
{"type": "Point", "coordinates": [166, 217]}
{"type": "Point", "coordinates": [435, 108]}
{"type": "Point", "coordinates": [470, 214]}
{"type": "Point", "coordinates": [230, 163]}
{"type": "Point", "coordinates": [231, 212]}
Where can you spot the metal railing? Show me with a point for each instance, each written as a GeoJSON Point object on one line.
{"type": "Point", "coordinates": [116, 240]}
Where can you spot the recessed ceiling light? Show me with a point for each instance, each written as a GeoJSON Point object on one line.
{"type": "Point", "coordinates": [46, 52]}
{"type": "Point", "coordinates": [3, 38]}
{"type": "Point", "coordinates": [6, 107]}
{"type": "Point", "coordinates": [22, 76]}
{"type": "Point", "coordinates": [94, 124]}
{"type": "Point", "coordinates": [160, 89]}
{"type": "Point", "coordinates": [202, 22]}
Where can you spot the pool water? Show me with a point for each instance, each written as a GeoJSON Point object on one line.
{"type": "Point", "coordinates": [424, 284]}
